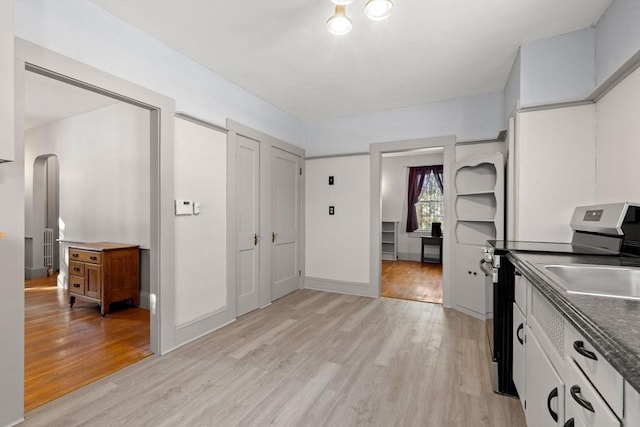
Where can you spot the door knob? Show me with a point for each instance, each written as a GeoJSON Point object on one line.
{"type": "Point", "coordinates": [274, 235]}
{"type": "Point", "coordinates": [255, 239]}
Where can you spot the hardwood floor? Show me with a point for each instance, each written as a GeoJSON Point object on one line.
{"type": "Point", "coordinates": [412, 280]}
{"type": "Point", "coordinates": [66, 349]}
{"type": "Point", "coordinates": [313, 359]}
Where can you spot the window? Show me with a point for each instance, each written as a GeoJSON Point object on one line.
{"type": "Point", "coordinates": [430, 205]}
{"type": "Point", "coordinates": [425, 197]}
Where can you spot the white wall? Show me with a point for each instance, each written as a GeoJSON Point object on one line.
{"type": "Point", "coordinates": [512, 88]}
{"type": "Point", "coordinates": [558, 69]}
{"type": "Point", "coordinates": [104, 173]}
{"type": "Point", "coordinates": [83, 31]}
{"type": "Point", "coordinates": [201, 240]}
{"type": "Point", "coordinates": [617, 37]}
{"type": "Point", "coordinates": [556, 170]}
{"type": "Point", "coordinates": [618, 143]}
{"type": "Point", "coordinates": [337, 247]}
{"type": "Point", "coordinates": [471, 118]}
{"type": "Point", "coordinates": [395, 176]}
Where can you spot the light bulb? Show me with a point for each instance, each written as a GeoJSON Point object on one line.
{"type": "Point", "coordinates": [377, 10]}
{"type": "Point", "coordinates": [339, 24]}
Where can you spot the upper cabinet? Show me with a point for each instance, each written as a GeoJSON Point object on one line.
{"type": "Point", "coordinates": [7, 150]}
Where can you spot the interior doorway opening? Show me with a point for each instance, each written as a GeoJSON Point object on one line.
{"type": "Point", "coordinates": [87, 179]}
{"type": "Point", "coordinates": [412, 209]}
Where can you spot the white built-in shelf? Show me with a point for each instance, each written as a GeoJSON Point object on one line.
{"type": "Point", "coordinates": [475, 219]}
{"type": "Point", "coordinates": [476, 193]}
{"type": "Point", "coordinates": [389, 240]}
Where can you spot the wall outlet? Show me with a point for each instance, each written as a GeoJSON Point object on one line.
{"type": "Point", "coordinates": [331, 210]}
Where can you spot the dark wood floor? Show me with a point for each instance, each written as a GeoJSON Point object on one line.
{"type": "Point", "coordinates": [412, 280]}
{"type": "Point", "coordinates": [66, 349]}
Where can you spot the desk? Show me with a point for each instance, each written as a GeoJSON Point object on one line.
{"type": "Point", "coordinates": [435, 243]}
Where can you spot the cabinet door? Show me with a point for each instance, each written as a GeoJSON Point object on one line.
{"type": "Point", "coordinates": [519, 356]}
{"type": "Point", "coordinates": [93, 283]}
{"type": "Point", "coordinates": [544, 388]}
{"type": "Point", "coordinates": [470, 284]}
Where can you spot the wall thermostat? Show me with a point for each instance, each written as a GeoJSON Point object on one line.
{"type": "Point", "coordinates": [184, 207]}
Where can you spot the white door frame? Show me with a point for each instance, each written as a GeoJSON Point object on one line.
{"type": "Point", "coordinates": [37, 59]}
{"type": "Point", "coordinates": [266, 144]}
{"type": "Point", "coordinates": [375, 157]}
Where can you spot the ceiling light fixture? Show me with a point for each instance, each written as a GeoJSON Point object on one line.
{"type": "Point", "coordinates": [378, 10]}
{"type": "Point", "coordinates": [340, 24]}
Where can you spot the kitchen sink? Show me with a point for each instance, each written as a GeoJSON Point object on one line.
{"type": "Point", "coordinates": [598, 280]}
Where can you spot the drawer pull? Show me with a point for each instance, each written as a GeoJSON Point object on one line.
{"type": "Point", "coordinates": [93, 258]}
{"type": "Point", "coordinates": [75, 255]}
{"type": "Point", "coordinates": [520, 327]}
{"type": "Point", "coordinates": [76, 269]}
{"type": "Point", "coordinates": [569, 423]}
{"type": "Point", "coordinates": [75, 285]}
{"type": "Point", "coordinates": [554, 393]}
{"type": "Point", "coordinates": [575, 393]}
{"type": "Point", "coordinates": [579, 347]}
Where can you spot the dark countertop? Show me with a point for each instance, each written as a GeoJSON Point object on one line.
{"type": "Point", "coordinates": [611, 325]}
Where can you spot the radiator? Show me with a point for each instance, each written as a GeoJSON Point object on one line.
{"type": "Point", "coordinates": [48, 247]}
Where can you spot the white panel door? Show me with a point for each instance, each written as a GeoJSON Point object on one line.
{"type": "Point", "coordinates": [285, 236]}
{"type": "Point", "coordinates": [248, 170]}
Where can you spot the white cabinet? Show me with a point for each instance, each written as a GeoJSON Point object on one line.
{"type": "Point", "coordinates": [389, 240]}
{"type": "Point", "coordinates": [585, 401]}
{"type": "Point", "coordinates": [478, 184]}
{"type": "Point", "coordinates": [519, 355]}
{"type": "Point", "coordinates": [544, 387]}
{"type": "Point", "coordinates": [631, 406]}
{"type": "Point", "coordinates": [7, 143]}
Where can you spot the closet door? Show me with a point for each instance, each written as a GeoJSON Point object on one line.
{"type": "Point", "coordinates": [285, 235]}
{"type": "Point", "coordinates": [248, 256]}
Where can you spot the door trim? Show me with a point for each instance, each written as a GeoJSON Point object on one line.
{"type": "Point", "coordinates": [37, 59]}
{"type": "Point", "coordinates": [375, 151]}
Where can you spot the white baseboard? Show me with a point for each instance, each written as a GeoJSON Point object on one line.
{"type": "Point", "coordinates": [338, 286]}
{"type": "Point", "coordinates": [470, 312]}
{"type": "Point", "coordinates": [34, 273]}
{"type": "Point", "coordinates": [202, 326]}
{"type": "Point", "coordinates": [408, 256]}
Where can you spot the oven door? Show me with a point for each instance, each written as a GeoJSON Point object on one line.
{"type": "Point", "coordinates": [491, 275]}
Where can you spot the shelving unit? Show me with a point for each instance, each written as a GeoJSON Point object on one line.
{"type": "Point", "coordinates": [479, 216]}
{"type": "Point", "coordinates": [389, 240]}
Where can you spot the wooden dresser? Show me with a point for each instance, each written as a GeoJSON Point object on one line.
{"type": "Point", "coordinates": [104, 273]}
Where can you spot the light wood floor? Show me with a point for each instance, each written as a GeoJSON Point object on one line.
{"type": "Point", "coordinates": [309, 359]}
{"type": "Point", "coordinates": [66, 349]}
{"type": "Point", "coordinates": [412, 280]}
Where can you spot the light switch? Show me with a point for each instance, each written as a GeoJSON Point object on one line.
{"type": "Point", "coordinates": [184, 207]}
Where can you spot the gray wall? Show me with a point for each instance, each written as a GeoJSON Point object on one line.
{"type": "Point", "coordinates": [617, 37]}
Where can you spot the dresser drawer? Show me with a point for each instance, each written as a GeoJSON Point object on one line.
{"type": "Point", "coordinates": [85, 256]}
{"type": "Point", "coordinates": [603, 376]}
{"type": "Point", "coordinates": [584, 401]}
{"type": "Point", "coordinates": [76, 268]}
{"type": "Point", "coordinates": [76, 285]}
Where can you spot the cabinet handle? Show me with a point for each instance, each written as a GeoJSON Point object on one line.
{"type": "Point", "coordinates": [569, 423]}
{"type": "Point", "coordinates": [274, 235]}
{"type": "Point", "coordinates": [520, 327]}
{"type": "Point", "coordinates": [579, 347]}
{"type": "Point", "coordinates": [554, 393]}
{"type": "Point", "coordinates": [75, 285]}
{"type": "Point", "coordinates": [74, 255]}
{"type": "Point", "coordinates": [76, 269]}
{"type": "Point", "coordinates": [575, 393]}
{"type": "Point", "coordinates": [93, 258]}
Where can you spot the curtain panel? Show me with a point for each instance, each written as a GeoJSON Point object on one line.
{"type": "Point", "coordinates": [417, 175]}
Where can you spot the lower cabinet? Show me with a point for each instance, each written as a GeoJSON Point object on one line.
{"type": "Point", "coordinates": [544, 387]}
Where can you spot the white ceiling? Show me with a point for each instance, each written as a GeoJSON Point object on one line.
{"type": "Point", "coordinates": [428, 50]}
{"type": "Point", "coordinates": [48, 100]}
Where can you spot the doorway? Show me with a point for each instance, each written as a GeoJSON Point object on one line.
{"type": "Point", "coordinates": [377, 150]}
{"type": "Point", "coordinates": [412, 220]}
